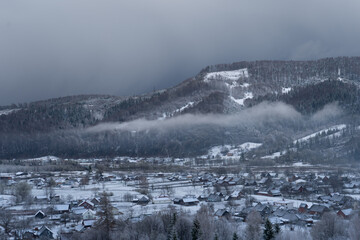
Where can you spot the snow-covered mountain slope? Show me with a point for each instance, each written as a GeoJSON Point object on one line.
{"type": "Point", "coordinates": [217, 91]}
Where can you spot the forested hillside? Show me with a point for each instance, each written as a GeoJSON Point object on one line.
{"type": "Point", "coordinates": [223, 104]}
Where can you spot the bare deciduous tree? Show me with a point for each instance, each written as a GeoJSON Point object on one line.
{"type": "Point", "coordinates": [6, 220]}
{"type": "Point", "coordinates": [22, 191]}
{"type": "Point", "coordinates": [106, 221]}
{"type": "Point", "coordinates": [354, 228]}
{"type": "Point", "coordinates": [329, 227]}
{"type": "Point", "coordinates": [253, 230]}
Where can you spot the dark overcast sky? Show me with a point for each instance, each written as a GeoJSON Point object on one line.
{"type": "Point", "coordinates": [124, 47]}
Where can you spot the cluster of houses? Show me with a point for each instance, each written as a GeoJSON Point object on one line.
{"type": "Point", "coordinates": [320, 193]}
{"type": "Point", "coordinates": [75, 216]}
{"type": "Point", "coordinates": [283, 198]}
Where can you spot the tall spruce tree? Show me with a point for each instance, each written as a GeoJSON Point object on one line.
{"type": "Point", "coordinates": [195, 232]}
{"type": "Point", "coordinates": [268, 231]}
{"type": "Point", "coordinates": [235, 236]}
{"type": "Point", "coordinates": [277, 228]}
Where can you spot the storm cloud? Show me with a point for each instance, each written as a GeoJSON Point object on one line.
{"type": "Point", "coordinates": [125, 47]}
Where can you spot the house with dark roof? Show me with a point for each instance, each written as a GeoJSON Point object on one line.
{"type": "Point", "coordinates": [40, 214]}
{"type": "Point", "coordinates": [222, 213]}
{"type": "Point", "coordinates": [318, 209]}
{"type": "Point", "coordinates": [189, 200]}
{"type": "Point", "coordinates": [275, 193]}
{"type": "Point", "coordinates": [95, 201]}
{"type": "Point", "coordinates": [213, 198]}
{"type": "Point", "coordinates": [45, 233]}
{"type": "Point", "coordinates": [263, 209]}
{"type": "Point", "coordinates": [144, 200]}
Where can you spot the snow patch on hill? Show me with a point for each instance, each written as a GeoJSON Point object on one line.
{"type": "Point", "coordinates": [44, 159]}
{"type": "Point", "coordinates": [8, 111]}
{"type": "Point", "coordinates": [179, 110]}
{"type": "Point", "coordinates": [230, 151]}
{"type": "Point", "coordinates": [285, 90]}
{"type": "Point", "coordinates": [188, 105]}
{"type": "Point", "coordinates": [274, 155]}
{"type": "Point", "coordinates": [235, 84]}
{"type": "Point", "coordinates": [337, 128]}
{"type": "Point", "coordinates": [227, 75]}
{"type": "Point", "coordinates": [240, 101]}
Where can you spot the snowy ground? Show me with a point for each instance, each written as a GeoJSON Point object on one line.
{"type": "Point", "coordinates": [6, 200]}
{"type": "Point", "coordinates": [337, 128]}
{"type": "Point", "coordinates": [240, 101]}
{"type": "Point", "coordinates": [274, 155]}
{"type": "Point", "coordinates": [8, 111]}
{"type": "Point", "coordinates": [227, 75]}
{"type": "Point", "coordinates": [285, 90]}
{"type": "Point", "coordinates": [233, 151]}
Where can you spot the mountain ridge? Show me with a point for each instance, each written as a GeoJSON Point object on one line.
{"type": "Point", "coordinates": [59, 126]}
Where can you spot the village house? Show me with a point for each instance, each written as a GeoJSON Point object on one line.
{"type": "Point", "coordinates": [88, 214]}
{"type": "Point", "coordinates": [40, 214]}
{"type": "Point", "coordinates": [303, 208]}
{"type": "Point", "coordinates": [213, 198]}
{"type": "Point", "coordinates": [87, 204]}
{"type": "Point", "coordinates": [319, 210]}
{"type": "Point", "coordinates": [45, 233]}
{"type": "Point", "coordinates": [144, 200]}
{"type": "Point", "coordinates": [61, 208]}
{"type": "Point", "coordinates": [162, 199]}
{"type": "Point", "coordinates": [188, 200]}
{"type": "Point", "coordinates": [223, 213]}
{"type": "Point", "coordinates": [41, 199]}
{"type": "Point", "coordinates": [346, 213]}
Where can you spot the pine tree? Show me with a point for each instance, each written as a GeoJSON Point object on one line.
{"type": "Point", "coordinates": [235, 236]}
{"type": "Point", "coordinates": [172, 230]}
{"type": "Point", "coordinates": [277, 228]}
{"type": "Point", "coordinates": [195, 232]}
{"type": "Point", "coordinates": [216, 237]}
{"type": "Point", "coordinates": [268, 231]}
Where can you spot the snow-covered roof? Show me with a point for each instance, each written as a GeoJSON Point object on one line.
{"type": "Point", "coordinates": [347, 212]}
{"type": "Point", "coordinates": [61, 207]}
{"type": "Point", "coordinates": [190, 199]}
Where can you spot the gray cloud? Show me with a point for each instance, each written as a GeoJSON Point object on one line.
{"type": "Point", "coordinates": [329, 112]}
{"type": "Point", "coordinates": [262, 113]}
{"type": "Point", "coordinates": [57, 48]}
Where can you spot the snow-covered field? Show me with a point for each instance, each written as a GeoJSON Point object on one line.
{"type": "Point", "coordinates": [43, 159]}
{"type": "Point", "coordinates": [6, 200]}
{"type": "Point", "coordinates": [274, 155]}
{"type": "Point", "coordinates": [301, 164]}
{"type": "Point", "coordinates": [120, 188]}
{"type": "Point", "coordinates": [232, 151]}
{"type": "Point", "coordinates": [227, 75]}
